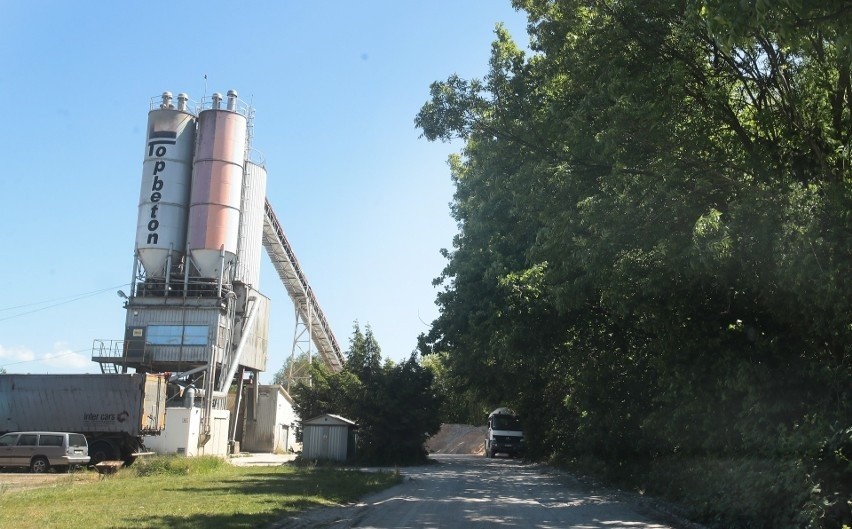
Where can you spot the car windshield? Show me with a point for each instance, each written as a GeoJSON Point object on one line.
{"type": "Point", "coordinates": [76, 439]}
{"type": "Point", "coordinates": [506, 422]}
{"type": "Point", "coordinates": [8, 440]}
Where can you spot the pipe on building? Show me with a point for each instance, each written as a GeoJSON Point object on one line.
{"type": "Point", "coordinates": [237, 403]}
{"type": "Point", "coordinates": [225, 382]}
{"type": "Point", "coordinates": [182, 374]}
{"type": "Point", "coordinates": [168, 273]}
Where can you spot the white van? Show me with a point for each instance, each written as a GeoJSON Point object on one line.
{"type": "Point", "coordinates": [39, 451]}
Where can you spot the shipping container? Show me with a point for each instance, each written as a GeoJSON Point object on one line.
{"type": "Point", "coordinates": [113, 411]}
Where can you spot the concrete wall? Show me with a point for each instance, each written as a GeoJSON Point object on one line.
{"type": "Point", "coordinates": [183, 430]}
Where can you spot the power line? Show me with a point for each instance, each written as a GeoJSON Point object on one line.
{"type": "Point", "coordinates": [56, 302]}
{"type": "Point", "coordinates": [92, 293]}
{"type": "Point", "coordinates": [45, 357]}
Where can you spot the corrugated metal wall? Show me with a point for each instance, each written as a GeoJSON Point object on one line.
{"type": "Point", "coordinates": [271, 431]}
{"type": "Point", "coordinates": [321, 441]}
{"type": "Point", "coordinates": [255, 353]}
{"type": "Point", "coordinates": [259, 435]}
{"type": "Point", "coordinates": [168, 315]}
{"type": "Point", "coordinates": [73, 403]}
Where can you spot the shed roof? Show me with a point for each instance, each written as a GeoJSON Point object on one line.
{"type": "Point", "coordinates": [329, 419]}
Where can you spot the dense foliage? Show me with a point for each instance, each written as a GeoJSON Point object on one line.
{"type": "Point", "coordinates": [460, 403]}
{"type": "Point", "coordinates": [653, 260]}
{"type": "Point", "coordinates": [294, 369]}
{"type": "Point", "coordinates": [393, 405]}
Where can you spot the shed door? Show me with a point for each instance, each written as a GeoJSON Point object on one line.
{"type": "Point", "coordinates": [325, 434]}
{"type": "Point", "coordinates": [282, 442]}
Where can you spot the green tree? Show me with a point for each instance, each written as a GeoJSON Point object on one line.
{"type": "Point", "coordinates": [364, 357]}
{"type": "Point", "coordinates": [459, 405]}
{"type": "Point", "coordinates": [394, 405]}
{"type": "Point", "coordinates": [325, 392]}
{"type": "Point", "coordinates": [654, 233]}
{"type": "Point", "coordinates": [293, 370]}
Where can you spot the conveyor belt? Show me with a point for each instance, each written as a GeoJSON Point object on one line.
{"type": "Point", "coordinates": [294, 280]}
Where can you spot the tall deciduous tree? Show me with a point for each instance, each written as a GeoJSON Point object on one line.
{"type": "Point", "coordinates": [654, 245]}
{"type": "Point", "coordinates": [459, 405]}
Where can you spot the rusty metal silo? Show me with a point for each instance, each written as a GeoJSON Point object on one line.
{"type": "Point", "coordinates": [217, 179]}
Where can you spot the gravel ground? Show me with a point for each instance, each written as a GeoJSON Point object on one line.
{"type": "Point", "coordinates": [17, 481]}
{"type": "Point", "coordinates": [458, 439]}
{"type": "Point", "coordinates": [463, 491]}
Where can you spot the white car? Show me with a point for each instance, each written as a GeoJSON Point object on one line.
{"type": "Point", "coordinates": [39, 451]}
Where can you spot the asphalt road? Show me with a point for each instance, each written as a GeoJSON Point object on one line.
{"type": "Point", "coordinates": [473, 491]}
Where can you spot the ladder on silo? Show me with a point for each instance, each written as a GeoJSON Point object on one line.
{"type": "Point", "coordinates": [308, 312]}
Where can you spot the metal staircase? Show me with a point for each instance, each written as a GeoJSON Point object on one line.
{"type": "Point", "coordinates": [109, 369]}
{"type": "Point", "coordinates": [109, 354]}
{"type": "Point", "coordinates": [307, 308]}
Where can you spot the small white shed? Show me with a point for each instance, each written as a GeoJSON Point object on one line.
{"type": "Point", "coordinates": [328, 437]}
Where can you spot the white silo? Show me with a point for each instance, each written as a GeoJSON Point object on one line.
{"type": "Point", "coordinates": [164, 196]}
{"type": "Point", "coordinates": [217, 175]}
{"type": "Point", "coordinates": [251, 225]}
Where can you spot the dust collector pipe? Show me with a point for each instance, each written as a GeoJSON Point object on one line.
{"type": "Point", "coordinates": [225, 381]}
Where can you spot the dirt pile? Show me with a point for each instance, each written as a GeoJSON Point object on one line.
{"type": "Point", "coordinates": [458, 439]}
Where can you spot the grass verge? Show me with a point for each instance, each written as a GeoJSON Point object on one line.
{"type": "Point", "coordinates": [187, 493]}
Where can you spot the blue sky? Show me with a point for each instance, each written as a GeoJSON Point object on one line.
{"type": "Point", "coordinates": [336, 86]}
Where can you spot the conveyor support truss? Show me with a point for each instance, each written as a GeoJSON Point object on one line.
{"type": "Point", "coordinates": [294, 280]}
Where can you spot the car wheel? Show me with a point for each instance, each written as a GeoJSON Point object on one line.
{"type": "Point", "coordinates": [39, 465]}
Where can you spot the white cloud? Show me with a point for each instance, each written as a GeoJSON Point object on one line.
{"type": "Point", "coordinates": [64, 360]}
{"type": "Point", "coordinates": [60, 360]}
{"type": "Point", "coordinates": [14, 355]}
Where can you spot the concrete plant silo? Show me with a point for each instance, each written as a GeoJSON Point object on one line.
{"type": "Point", "coordinates": [251, 225]}
{"type": "Point", "coordinates": [164, 196]}
{"type": "Point", "coordinates": [217, 178]}
{"type": "Point", "coordinates": [194, 308]}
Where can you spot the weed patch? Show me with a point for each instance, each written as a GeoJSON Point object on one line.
{"type": "Point", "coordinates": [188, 493]}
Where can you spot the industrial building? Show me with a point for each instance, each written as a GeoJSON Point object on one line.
{"type": "Point", "coordinates": [195, 308]}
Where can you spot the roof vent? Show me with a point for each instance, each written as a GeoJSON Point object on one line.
{"type": "Point", "coordinates": [182, 99]}
{"type": "Point", "coordinates": [232, 100]}
{"type": "Point", "coordinates": [167, 100]}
